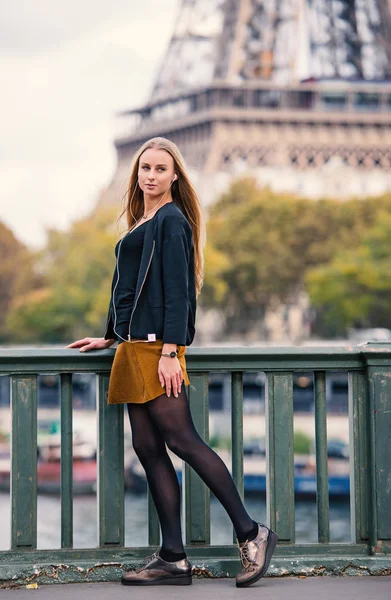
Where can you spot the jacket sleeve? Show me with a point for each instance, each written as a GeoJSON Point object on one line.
{"type": "Point", "coordinates": [109, 333]}
{"type": "Point", "coordinates": [175, 272]}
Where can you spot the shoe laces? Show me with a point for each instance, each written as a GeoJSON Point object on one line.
{"type": "Point", "coordinates": [245, 558]}
{"type": "Point", "coordinates": [146, 560]}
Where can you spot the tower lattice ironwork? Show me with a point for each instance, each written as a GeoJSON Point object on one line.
{"type": "Point", "coordinates": [285, 89]}
{"type": "Point", "coordinates": [275, 40]}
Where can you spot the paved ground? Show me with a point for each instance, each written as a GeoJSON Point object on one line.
{"type": "Point", "coordinates": [269, 588]}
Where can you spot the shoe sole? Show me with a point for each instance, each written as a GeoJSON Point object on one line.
{"type": "Point", "coordinates": [271, 544]}
{"type": "Point", "coordinates": [180, 580]}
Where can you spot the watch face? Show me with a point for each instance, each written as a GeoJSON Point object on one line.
{"type": "Point", "coordinates": [173, 354]}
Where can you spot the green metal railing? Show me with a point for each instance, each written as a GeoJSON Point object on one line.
{"type": "Point", "coordinates": [369, 369]}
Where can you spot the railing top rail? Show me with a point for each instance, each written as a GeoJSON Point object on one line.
{"type": "Point", "coordinates": [49, 360]}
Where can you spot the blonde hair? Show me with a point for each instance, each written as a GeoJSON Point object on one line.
{"type": "Point", "coordinates": [183, 194]}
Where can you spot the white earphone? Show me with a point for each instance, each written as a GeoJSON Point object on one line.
{"type": "Point", "coordinates": [174, 178]}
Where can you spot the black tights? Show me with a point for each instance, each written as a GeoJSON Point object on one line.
{"type": "Point", "coordinates": [167, 420]}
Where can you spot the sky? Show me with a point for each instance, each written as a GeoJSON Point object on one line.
{"type": "Point", "coordinates": [66, 68]}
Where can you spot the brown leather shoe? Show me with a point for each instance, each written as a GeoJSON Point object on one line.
{"type": "Point", "coordinates": [157, 571]}
{"type": "Point", "coordinates": [256, 555]}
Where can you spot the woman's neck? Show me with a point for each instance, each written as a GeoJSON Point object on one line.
{"type": "Point", "coordinates": [150, 204]}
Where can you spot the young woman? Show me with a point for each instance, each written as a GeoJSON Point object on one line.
{"type": "Point", "coordinates": [158, 275]}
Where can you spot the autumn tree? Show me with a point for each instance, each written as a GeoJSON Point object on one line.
{"type": "Point", "coordinates": [354, 289]}
{"type": "Point", "coordinates": [263, 244]}
{"type": "Point", "coordinates": [17, 274]}
{"type": "Point", "coordinates": [77, 267]}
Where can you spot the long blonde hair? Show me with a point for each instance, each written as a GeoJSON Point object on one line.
{"type": "Point", "coordinates": [183, 194]}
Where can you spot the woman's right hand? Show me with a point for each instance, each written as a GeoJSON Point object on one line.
{"type": "Point", "coordinates": [89, 343]}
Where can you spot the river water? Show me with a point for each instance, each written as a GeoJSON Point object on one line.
{"type": "Point", "coordinates": [136, 529]}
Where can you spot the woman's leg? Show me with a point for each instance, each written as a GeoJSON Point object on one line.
{"type": "Point", "coordinates": [162, 479]}
{"type": "Point", "coordinates": [173, 418]}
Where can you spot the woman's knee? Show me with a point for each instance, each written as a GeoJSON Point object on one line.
{"type": "Point", "coordinates": [179, 444]}
{"type": "Point", "coordinates": [147, 449]}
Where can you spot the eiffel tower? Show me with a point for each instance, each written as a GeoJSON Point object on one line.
{"type": "Point", "coordinates": [272, 87]}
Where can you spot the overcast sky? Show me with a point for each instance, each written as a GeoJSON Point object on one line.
{"type": "Point", "coordinates": [66, 67]}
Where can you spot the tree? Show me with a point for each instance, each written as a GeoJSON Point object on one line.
{"type": "Point", "coordinates": [263, 244]}
{"type": "Point", "coordinates": [17, 274]}
{"type": "Point", "coordinates": [77, 266]}
{"type": "Point", "coordinates": [354, 289]}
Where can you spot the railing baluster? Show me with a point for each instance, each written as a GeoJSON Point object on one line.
{"type": "Point", "coordinates": [24, 461]}
{"type": "Point", "coordinates": [110, 468]}
{"type": "Point", "coordinates": [322, 481]}
{"type": "Point", "coordinates": [197, 495]}
{"type": "Point", "coordinates": [237, 433]}
{"type": "Point", "coordinates": [280, 498]}
{"type": "Point", "coordinates": [153, 522]}
{"type": "Point", "coordinates": [66, 462]}
{"type": "Point", "coordinates": [358, 453]}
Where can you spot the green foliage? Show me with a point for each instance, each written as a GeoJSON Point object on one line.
{"type": "Point", "coordinates": [77, 266]}
{"type": "Point", "coordinates": [302, 443]}
{"type": "Point", "coordinates": [17, 274]}
{"type": "Point", "coordinates": [220, 441]}
{"type": "Point", "coordinates": [266, 248]}
{"type": "Point", "coordinates": [4, 436]}
{"type": "Point", "coordinates": [354, 288]}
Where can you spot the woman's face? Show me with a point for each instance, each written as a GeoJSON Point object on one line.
{"type": "Point", "coordinates": [155, 171]}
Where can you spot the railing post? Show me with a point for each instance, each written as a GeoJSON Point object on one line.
{"type": "Point", "coordinates": [24, 462]}
{"type": "Point", "coordinates": [322, 480]}
{"type": "Point", "coordinates": [153, 522]}
{"type": "Point", "coordinates": [237, 433]}
{"type": "Point", "coordinates": [110, 468]}
{"type": "Point", "coordinates": [66, 461]}
{"type": "Point", "coordinates": [197, 495]}
{"type": "Point", "coordinates": [358, 455]}
{"type": "Point", "coordinates": [378, 362]}
{"type": "Point", "coordinates": [280, 494]}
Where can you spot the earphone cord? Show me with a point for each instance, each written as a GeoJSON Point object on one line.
{"type": "Point", "coordinates": [143, 217]}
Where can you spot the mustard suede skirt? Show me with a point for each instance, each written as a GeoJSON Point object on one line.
{"type": "Point", "coordinates": [134, 373]}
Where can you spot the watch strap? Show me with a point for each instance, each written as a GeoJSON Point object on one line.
{"type": "Point", "coordinates": [171, 354]}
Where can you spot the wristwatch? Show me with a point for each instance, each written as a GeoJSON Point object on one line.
{"type": "Point", "coordinates": [171, 354]}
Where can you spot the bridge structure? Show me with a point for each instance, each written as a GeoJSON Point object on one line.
{"type": "Point", "coordinates": [294, 92]}
{"type": "Point", "coordinates": [367, 553]}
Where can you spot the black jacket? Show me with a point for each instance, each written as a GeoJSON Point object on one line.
{"type": "Point", "coordinates": [165, 297]}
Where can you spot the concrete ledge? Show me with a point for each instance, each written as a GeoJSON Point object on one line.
{"type": "Point", "coordinates": [20, 574]}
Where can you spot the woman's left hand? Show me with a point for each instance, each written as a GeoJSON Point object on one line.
{"type": "Point", "coordinates": [170, 375]}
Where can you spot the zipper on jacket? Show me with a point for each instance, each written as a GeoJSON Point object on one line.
{"type": "Point", "coordinates": [142, 285]}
